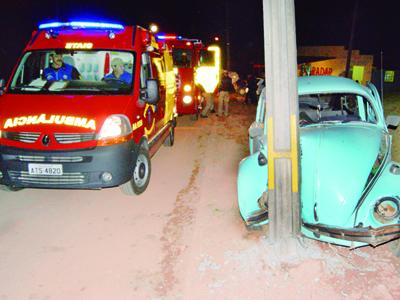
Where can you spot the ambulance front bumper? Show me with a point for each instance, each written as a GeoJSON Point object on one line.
{"type": "Point", "coordinates": [94, 168]}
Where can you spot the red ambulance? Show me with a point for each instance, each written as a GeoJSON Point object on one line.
{"type": "Point", "coordinates": [186, 55]}
{"type": "Point", "coordinates": [86, 107]}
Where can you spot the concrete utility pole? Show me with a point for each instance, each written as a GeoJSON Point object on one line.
{"type": "Point", "coordinates": [282, 119]}
{"type": "Point", "coordinates": [350, 47]}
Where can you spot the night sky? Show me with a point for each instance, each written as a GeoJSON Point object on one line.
{"type": "Point", "coordinates": [318, 22]}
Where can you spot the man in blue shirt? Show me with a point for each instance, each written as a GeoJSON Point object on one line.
{"type": "Point", "coordinates": [119, 72]}
{"type": "Point", "coordinates": [58, 70]}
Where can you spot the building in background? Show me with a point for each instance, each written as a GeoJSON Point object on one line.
{"type": "Point", "coordinates": [331, 60]}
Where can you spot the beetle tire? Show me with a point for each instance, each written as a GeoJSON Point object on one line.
{"type": "Point", "coordinates": [141, 174]}
{"type": "Point", "coordinates": [395, 247]}
{"type": "Point", "coordinates": [169, 141]}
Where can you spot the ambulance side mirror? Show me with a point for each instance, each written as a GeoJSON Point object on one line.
{"type": "Point", "coordinates": [2, 86]}
{"type": "Point", "coordinates": [152, 91]}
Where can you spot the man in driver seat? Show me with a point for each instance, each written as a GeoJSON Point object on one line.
{"type": "Point", "coordinates": [59, 70]}
{"type": "Point", "coordinates": [119, 72]}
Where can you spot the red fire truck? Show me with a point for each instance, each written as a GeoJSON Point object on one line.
{"type": "Point", "coordinates": [86, 107]}
{"type": "Point", "coordinates": [186, 55]}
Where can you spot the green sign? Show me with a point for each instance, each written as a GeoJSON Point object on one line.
{"type": "Point", "coordinates": [389, 76]}
{"type": "Point", "coordinates": [358, 73]}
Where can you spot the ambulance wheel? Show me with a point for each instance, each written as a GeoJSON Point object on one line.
{"type": "Point", "coordinates": [141, 174]}
{"type": "Point", "coordinates": [169, 141]}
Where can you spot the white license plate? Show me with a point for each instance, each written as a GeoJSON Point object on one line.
{"type": "Point", "coordinates": [45, 169]}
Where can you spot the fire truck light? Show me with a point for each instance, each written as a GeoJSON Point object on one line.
{"type": "Point", "coordinates": [153, 28]}
{"type": "Point", "coordinates": [187, 99]}
{"type": "Point", "coordinates": [187, 87]}
{"type": "Point", "coordinates": [168, 37]}
{"type": "Point", "coordinates": [188, 43]}
{"type": "Point", "coordinates": [81, 24]}
{"type": "Point", "coordinates": [175, 70]}
{"type": "Point", "coordinates": [208, 75]}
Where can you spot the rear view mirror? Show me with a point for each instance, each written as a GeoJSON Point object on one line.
{"type": "Point", "coordinates": [2, 86]}
{"type": "Point", "coordinates": [151, 94]}
{"type": "Point", "coordinates": [392, 122]}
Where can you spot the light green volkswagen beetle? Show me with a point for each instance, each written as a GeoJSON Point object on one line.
{"type": "Point", "coordinates": [350, 187]}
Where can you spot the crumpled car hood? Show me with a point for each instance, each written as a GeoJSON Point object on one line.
{"type": "Point", "coordinates": [336, 161]}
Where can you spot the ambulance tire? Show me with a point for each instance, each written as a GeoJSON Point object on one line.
{"type": "Point", "coordinates": [169, 141]}
{"type": "Point", "coordinates": [141, 174]}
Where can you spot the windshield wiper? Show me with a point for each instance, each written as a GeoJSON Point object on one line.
{"type": "Point", "coordinates": [92, 89]}
{"type": "Point", "coordinates": [27, 88]}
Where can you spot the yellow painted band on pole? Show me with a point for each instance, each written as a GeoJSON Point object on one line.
{"type": "Point", "coordinates": [294, 152]}
{"type": "Point", "coordinates": [292, 155]}
{"type": "Point", "coordinates": [271, 163]}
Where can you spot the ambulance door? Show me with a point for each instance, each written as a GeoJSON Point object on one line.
{"type": "Point", "coordinates": [158, 69]}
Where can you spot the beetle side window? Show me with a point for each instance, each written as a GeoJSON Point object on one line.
{"type": "Point", "coordinates": [370, 113]}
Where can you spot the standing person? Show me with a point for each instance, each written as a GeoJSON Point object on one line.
{"type": "Point", "coordinates": [225, 88]}
{"type": "Point", "coordinates": [209, 100]}
{"type": "Point", "coordinates": [59, 70]}
{"type": "Point", "coordinates": [252, 85]}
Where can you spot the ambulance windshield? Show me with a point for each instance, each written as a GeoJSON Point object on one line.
{"type": "Point", "coordinates": [182, 58]}
{"type": "Point", "coordinates": [74, 72]}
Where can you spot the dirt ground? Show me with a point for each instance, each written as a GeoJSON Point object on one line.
{"type": "Point", "coordinates": [182, 239]}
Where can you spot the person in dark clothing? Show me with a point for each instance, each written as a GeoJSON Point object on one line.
{"type": "Point", "coordinates": [226, 87]}
{"type": "Point", "coordinates": [252, 86]}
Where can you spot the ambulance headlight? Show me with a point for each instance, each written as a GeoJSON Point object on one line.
{"type": "Point", "coordinates": [115, 126]}
{"type": "Point", "coordinates": [187, 87]}
{"type": "Point", "coordinates": [187, 99]}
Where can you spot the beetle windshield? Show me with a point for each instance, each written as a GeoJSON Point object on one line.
{"type": "Point", "coordinates": [74, 72]}
{"type": "Point", "coordinates": [339, 107]}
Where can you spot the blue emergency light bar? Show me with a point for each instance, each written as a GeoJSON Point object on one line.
{"type": "Point", "coordinates": [81, 24]}
{"type": "Point", "coordinates": [168, 37]}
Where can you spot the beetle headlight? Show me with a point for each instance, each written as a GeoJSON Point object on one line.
{"type": "Point", "coordinates": [386, 209]}
{"type": "Point", "coordinates": [114, 127]}
{"type": "Point", "coordinates": [187, 87]}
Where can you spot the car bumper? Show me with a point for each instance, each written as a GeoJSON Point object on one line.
{"type": "Point", "coordinates": [82, 169]}
{"type": "Point", "coordinates": [365, 235]}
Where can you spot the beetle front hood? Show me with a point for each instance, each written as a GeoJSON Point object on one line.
{"type": "Point", "coordinates": [335, 164]}
{"type": "Point", "coordinates": [47, 109]}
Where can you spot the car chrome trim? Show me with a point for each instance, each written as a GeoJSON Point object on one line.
{"type": "Point", "coordinates": [369, 235]}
